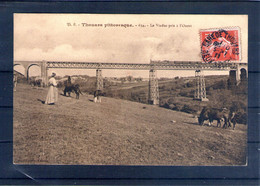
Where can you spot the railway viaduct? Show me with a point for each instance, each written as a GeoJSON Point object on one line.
{"type": "Point", "coordinates": [237, 71]}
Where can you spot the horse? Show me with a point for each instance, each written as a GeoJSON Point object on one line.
{"type": "Point", "coordinates": [72, 88]}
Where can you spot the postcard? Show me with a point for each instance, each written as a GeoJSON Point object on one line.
{"type": "Point", "coordinates": [121, 89]}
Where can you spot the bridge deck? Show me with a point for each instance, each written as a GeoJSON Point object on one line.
{"type": "Point", "coordinates": [164, 65]}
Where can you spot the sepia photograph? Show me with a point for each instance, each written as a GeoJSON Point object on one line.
{"type": "Point", "coordinates": [130, 89]}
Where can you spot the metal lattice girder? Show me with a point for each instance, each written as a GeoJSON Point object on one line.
{"type": "Point", "coordinates": [153, 94]}
{"type": "Point", "coordinates": [99, 80]}
{"type": "Point", "coordinates": [200, 92]}
{"type": "Point", "coordinates": [156, 65]}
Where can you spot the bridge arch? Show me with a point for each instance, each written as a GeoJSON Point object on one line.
{"type": "Point", "coordinates": [16, 64]}
{"type": "Point", "coordinates": [238, 75]}
{"type": "Point", "coordinates": [243, 74]}
{"type": "Point", "coordinates": [28, 70]}
{"type": "Point", "coordinates": [20, 68]}
{"type": "Point", "coordinates": [28, 64]}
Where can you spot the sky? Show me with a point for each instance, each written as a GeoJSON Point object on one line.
{"type": "Point", "coordinates": [54, 37]}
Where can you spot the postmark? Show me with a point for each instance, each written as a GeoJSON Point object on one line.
{"type": "Point", "coordinates": [220, 45]}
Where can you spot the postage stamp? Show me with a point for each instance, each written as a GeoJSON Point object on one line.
{"type": "Point", "coordinates": [220, 45]}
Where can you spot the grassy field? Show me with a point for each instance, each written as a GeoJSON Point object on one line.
{"type": "Point", "coordinates": [116, 132]}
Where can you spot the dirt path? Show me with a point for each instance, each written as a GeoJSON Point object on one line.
{"type": "Point", "coordinates": [116, 132]}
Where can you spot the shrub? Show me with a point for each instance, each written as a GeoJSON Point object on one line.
{"type": "Point", "coordinates": [162, 87]}
{"type": "Point", "coordinates": [241, 117]}
{"type": "Point", "coordinates": [171, 106]}
{"type": "Point", "coordinates": [190, 84]}
{"type": "Point", "coordinates": [170, 101]}
{"type": "Point", "coordinates": [177, 107]}
{"type": "Point", "coordinates": [188, 109]}
{"type": "Point", "coordinates": [220, 85]}
{"type": "Point", "coordinates": [184, 94]}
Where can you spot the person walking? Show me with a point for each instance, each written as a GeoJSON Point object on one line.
{"type": "Point", "coordinates": [52, 96]}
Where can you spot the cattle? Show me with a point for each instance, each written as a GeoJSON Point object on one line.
{"type": "Point", "coordinates": [36, 82]}
{"type": "Point", "coordinates": [212, 114]}
{"type": "Point", "coordinates": [72, 88]}
{"type": "Point", "coordinates": [232, 118]}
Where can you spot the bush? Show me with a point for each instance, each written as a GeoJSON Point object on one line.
{"type": "Point", "coordinates": [188, 109]}
{"type": "Point", "coordinates": [184, 94]}
{"type": "Point", "coordinates": [170, 101]}
{"type": "Point", "coordinates": [220, 85]}
{"type": "Point", "coordinates": [162, 87]}
{"type": "Point", "coordinates": [241, 117]}
{"type": "Point", "coordinates": [190, 84]}
{"type": "Point", "coordinates": [171, 106]}
{"type": "Point", "coordinates": [177, 107]}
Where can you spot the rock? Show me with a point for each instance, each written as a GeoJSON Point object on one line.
{"type": "Point", "coordinates": [211, 157]}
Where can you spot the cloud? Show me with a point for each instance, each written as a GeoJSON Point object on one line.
{"type": "Point", "coordinates": [37, 41]}
{"type": "Point", "coordinates": [138, 50]}
{"type": "Point", "coordinates": [135, 51]}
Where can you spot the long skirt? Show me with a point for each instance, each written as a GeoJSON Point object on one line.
{"type": "Point", "coordinates": [52, 95]}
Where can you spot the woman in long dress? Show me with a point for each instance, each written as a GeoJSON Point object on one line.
{"type": "Point", "coordinates": [52, 95]}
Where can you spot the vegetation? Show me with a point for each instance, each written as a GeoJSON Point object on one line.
{"type": "Point", "coordinates": [218, 93]}
{"type": "Point", "coordinates": [175, 94]}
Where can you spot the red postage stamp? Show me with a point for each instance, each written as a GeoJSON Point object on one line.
{"type": "Point", "coordinates": [220, 45]}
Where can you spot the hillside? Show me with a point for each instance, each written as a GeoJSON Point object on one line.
{"type": "Point", "coordinates": [175, 94]}
{"type": "Point", "coordinates": [116, 132]}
